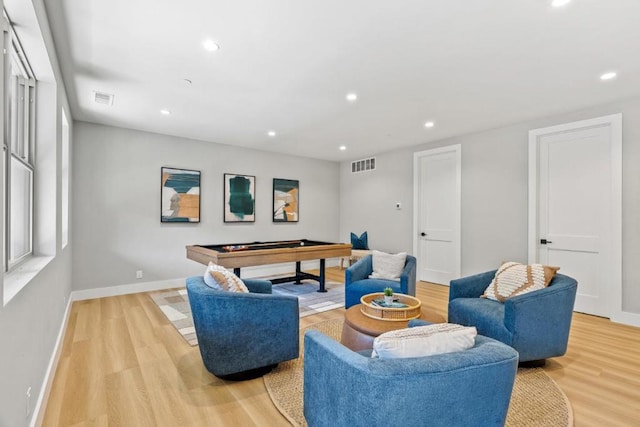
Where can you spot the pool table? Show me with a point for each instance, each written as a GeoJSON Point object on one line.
{"type": "Point", "coordinates": [237, 255]}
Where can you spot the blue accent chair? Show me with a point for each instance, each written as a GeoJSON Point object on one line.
{"type": "Point", "coordinates": [357, 282]}
{"type": "Point", "coordinates": [536, 324]}
{"type": "Point", "coordinates": [467, 388]}
{"type": "Point", "coordinates": [243, 335]}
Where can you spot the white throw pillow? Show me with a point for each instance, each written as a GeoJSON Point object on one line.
{"type": "Point", "coordinates": [387, 266]}
{"type": "Point", "coordinates": [420, 341]}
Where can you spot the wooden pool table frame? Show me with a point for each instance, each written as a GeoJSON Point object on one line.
{"type": "Point", "coordinates": [246, 258]}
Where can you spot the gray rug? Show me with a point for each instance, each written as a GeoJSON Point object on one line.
{"type": "Point", "coordinates": [175, 303]}
{"type": "Point", "coordinates": [310, 300]}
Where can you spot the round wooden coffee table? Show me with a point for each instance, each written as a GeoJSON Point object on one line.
{"type": "Point", "coordinates": [359, 331]}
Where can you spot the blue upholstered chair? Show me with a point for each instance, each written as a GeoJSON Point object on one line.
{"type": "Point", "coordinates": [357, 282]}
{"type": "Point", "coordinates": [536, 324]}
{"type": "Point", "coordinates": [467, 388]}
{"type": "Point", "coordinates": [243, 335]}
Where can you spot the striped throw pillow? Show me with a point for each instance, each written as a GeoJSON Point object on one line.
{"type": "Point", "coordinates": [513, 278]}
{"type": "Point", "coordinates": [218, 277]}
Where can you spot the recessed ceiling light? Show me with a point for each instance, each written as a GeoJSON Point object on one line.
{"type": "Point", "coordinates": [165, 112]}
{"type": "Point", "coordinates": [608, 76]}
{"type": "Point", "coordinates": [271, 133]}
{"type": "Point", "coordinates": [342, 147]}
{"type": "Point", "coordinates": [352, 97]}
{"type": "Point", "coordinates": [210, 45]}
{"type": "Point", "coordinates": [429, 124]}
{"type": "Point", "coordinates": [560, 3]}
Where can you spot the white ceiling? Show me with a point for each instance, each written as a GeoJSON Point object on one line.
{"type": "Point", "coordinates": [286, 65]}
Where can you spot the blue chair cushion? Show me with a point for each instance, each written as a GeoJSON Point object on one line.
{"type": "Point", "coordinates": [485, 314]}
{"type": "Point", "coordinates": [357, 282]}
{"type": "Point", "coordinates": [357, 289]}
{"type": "Point", "coordinates": [361, 242]}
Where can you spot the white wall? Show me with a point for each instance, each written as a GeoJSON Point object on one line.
{"type": "Point", "coordinates": [116, 207]}
{"type": "Point", "coordinates": [31, 320]}
{"type": "Point", "coordinates": [494, 196]}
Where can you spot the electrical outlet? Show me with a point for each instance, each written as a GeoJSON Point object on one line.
{"type": "Point", "coordinates": [28, 402]}
{"type": "Point", "coordinates": [139, 274]}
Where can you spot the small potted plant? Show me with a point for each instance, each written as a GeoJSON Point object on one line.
{"type": "Point", "coordinates": [388, 296]}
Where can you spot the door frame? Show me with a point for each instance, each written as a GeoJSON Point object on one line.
{"type": "Point", "coordinates": [457, 150]}
{"type": "Point", "coordinates": [614, 123]}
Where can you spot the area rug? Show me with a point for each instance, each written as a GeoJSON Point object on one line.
{"type": "Point", "coordinates": [175, 303]}
{"type": "Point", "coordinates": [310, 300]}
{"type": "Point", "coordinates": [536, 401]}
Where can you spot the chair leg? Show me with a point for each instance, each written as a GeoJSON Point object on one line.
{"type": "Point", "coordinates": [533, 363]}
{"type": "Point", "coordinates": [248, 375]}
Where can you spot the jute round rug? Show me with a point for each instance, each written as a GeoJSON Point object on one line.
{"type": "Point", "coordinates": [536, 399]}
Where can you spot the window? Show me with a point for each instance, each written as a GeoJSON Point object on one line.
{"type": "Point", "coordinates": [18, 153]}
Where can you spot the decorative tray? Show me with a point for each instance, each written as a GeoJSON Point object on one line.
{"type": "Point", "coordinates": [404, 307]}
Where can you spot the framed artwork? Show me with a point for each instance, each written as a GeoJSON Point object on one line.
{"type": "Point", "coordinates": [180, 195]}
{"type": "Point", "coordinates": [285, 200]}
{"type": "Point", "coordinates": [239, 198]}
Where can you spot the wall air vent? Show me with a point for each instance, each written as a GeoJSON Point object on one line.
{"type": "Point", "coordinates": [363, 165]}
{"type": "Point", "coordinates": [102, 98]}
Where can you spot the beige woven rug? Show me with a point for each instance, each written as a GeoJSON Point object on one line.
{"type": "Point", "coordinates": [536, 401]}
{"type": "Point", "coordinates": [174, 304]}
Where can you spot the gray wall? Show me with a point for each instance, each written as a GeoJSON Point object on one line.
{"type": "Point", "coordinates": [367, 202]}
{"type": "Point", "coordinates": [494, 196]}
{"type": "Point", "coordinates": [29, 326]}
{"type": "Point", "coordinates": [117, 227]}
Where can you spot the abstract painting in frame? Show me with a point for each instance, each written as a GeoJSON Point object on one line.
{"type": "Point", "coordinates": [285, 200]}
{"type": "Point", "coordinates": [180, 195]}
{"type": "Point", "coordinates": [239, 198]}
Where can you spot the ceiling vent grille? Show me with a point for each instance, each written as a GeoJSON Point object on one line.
{"type": "Point", "coordinates": [363, 165]}
{"type": "Point", "coordinates": [103, 98]}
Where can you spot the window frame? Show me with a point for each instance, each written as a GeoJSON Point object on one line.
{"type": "Point", "coordinates": [66, 178]}
{"type": "Point", "coordinates": [19, 120]}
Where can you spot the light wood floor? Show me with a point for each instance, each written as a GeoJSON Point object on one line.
{"type": "Point", "coordinates": [124, 364]}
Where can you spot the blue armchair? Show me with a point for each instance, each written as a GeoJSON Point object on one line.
{"type": "Point", "coordinates": [243, 335]}
{"type": "Point", "coordinates": [357, 282]}
{"type": "Point", "coordinates": [536, 324]}
{"type": "Point", "coordinates": [467, 388]}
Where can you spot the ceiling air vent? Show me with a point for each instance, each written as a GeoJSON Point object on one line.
{"type": "Point", "coordinates": [363, 165]}
{"type": "Point", "coordinates": [102, 98]}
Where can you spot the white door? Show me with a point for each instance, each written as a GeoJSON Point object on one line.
{"type": "Point", "coordinates": [437, 214]}
{"type": "Point", "coordinates": [576, 206]}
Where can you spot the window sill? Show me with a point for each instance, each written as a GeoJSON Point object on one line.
{"type": "Point", "coordinates": [19, 277]}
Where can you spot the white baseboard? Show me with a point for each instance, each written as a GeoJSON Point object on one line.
{"type": "Point", "coordinates": [245, 273]}
{"type": "Point", "coordinates": [38, 411]}
{"type": "Point", "coordinates": [130, 288]}
{"type": "Point", "coordinates": [627, 318]}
